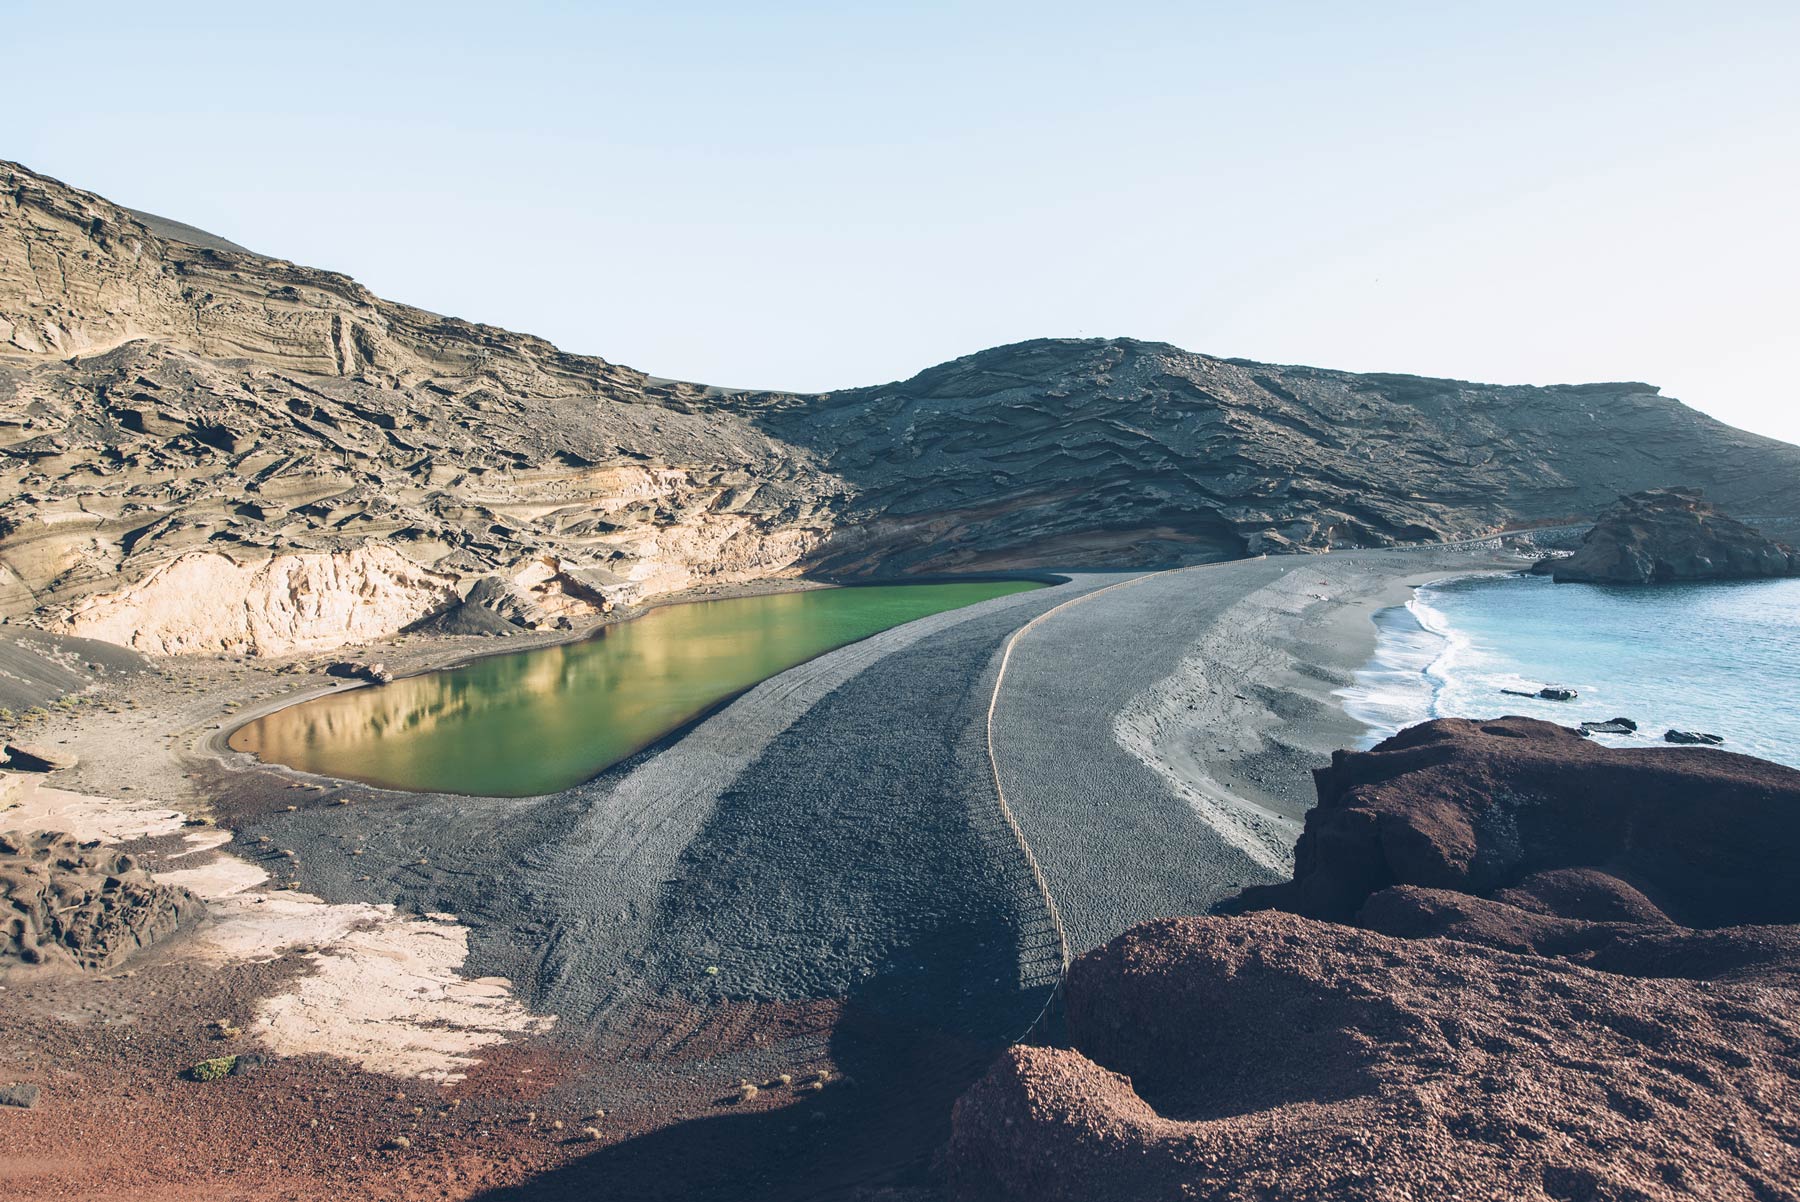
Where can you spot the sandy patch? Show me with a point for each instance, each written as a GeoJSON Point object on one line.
{"type": "Point", "coordinates": [26, 804]}
{"type": "Point", "coordinates": [385, 990]}
{"type": "Point", "coordinates": [1166, 725]}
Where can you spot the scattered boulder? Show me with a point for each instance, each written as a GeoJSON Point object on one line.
{"type": "Point", "coordinates": [1692, 736]}
{"type": "Point", "coordinates": [1612, 726]}
{"type": "Point", "coordinates": [248, 1064]}
{"type": "Point", "coordinates": [1669, 534]}
{"type": "Point", "coordinates": [79, 903]}
{"type": "Point", "coordinates": [35, 757]}
{"type": "Point", "coordinates": [24, 1097]}
{"type": "Point", "coordinates": [350, 669]}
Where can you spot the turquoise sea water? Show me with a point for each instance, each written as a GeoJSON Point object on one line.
{"type": "Point", "coordinates": [1723, 658]}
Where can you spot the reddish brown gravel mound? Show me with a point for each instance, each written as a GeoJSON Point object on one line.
{"type": "Point", "coordinates": [1275, 1056]}
{"type": "Point", "coordinates": [1577, 978]}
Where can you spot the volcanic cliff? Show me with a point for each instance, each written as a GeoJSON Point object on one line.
{"type": "Point", "coordinates": [205, 449]}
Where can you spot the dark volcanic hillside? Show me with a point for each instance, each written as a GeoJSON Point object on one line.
{"type": "Point", "coordinates": [203, 449]}
{"type": "Point", "coordinates": [1132, 452]}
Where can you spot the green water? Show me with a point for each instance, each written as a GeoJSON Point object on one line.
{"type": "Point", "coordinates": [538, 721]}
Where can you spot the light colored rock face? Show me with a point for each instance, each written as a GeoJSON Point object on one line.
{"type": "Point", "coordinates": [159, 397]}
{"type": "Point", "coordinates": [206, 602]}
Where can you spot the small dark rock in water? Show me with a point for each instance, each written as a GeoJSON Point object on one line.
{"type": "Point", "coordinates": [1547, 693]}
{"type": "Point", "coordinates": [1692, 736]}
{"type": "Point", "coordinates": [22, 1096]}
{"type": "Point", "coordinates": [1612, 726]}
{"type": "Point", "coordinates": [34, 757]}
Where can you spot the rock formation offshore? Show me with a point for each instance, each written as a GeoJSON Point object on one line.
{"type": "Point", "coordinates": [1670, 534]}
{"type": "Point", "coordinates": [204, 449]}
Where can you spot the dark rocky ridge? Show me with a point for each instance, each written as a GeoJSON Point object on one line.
{"type": "Point", "coordinates": [1555, 970]}
{"type": "Point", "coordinates": [1125, 451]}
{"type": "Point", "coordinates": [1670, 534]}
{"type": "Point", "coordinates": [164, 394]}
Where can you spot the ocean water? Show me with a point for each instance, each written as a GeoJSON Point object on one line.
{"type": "Point", "coordinates": [1723, 658]}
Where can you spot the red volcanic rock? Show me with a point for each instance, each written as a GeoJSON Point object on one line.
{"type": "Point", "coordinates": [1575, 978]}
{"type": "Point", "coordinates": [1767, 955]}
{"type": "Point", "coordinates": [1585, 893]}
{"type": "Point", "coordinates": [1704, 837]}
{"type": "Point", "coordinates": [1272, 1056]}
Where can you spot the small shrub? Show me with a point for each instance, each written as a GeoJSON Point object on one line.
{"type": "Point", "coordinates": [212, 1070]}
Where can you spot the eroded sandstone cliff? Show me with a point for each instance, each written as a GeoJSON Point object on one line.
{"type": "Point", "coordinates": [165, 393]}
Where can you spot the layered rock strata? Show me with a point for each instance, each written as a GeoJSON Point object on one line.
{"type": "Point", "coordinates": [165, 394]}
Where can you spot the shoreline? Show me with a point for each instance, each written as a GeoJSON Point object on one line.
{"type": "Point", "coordinates": [1307, 647]}
{"type": "Point", "coordinates": [1360, 696]}
{"type": "Point", "coordinates": [1158, 742]}
{"type": "Point", "coordinates": [1480, 646]}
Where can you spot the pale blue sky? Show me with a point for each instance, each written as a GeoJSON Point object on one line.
{"type": "Point", "coordinates": [809, 196]}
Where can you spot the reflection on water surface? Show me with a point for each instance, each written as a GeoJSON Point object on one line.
{"type": "Point", "coordinates": [537, 721]}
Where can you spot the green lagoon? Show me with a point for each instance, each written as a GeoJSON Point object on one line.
{"type": "Point", "coordinates": [537, 721]}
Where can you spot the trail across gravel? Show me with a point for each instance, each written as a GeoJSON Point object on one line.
{"type": "Point", "coordinates": [1116, 844]}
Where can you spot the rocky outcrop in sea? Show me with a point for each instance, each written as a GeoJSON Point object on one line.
{"type": "Point", "coordinates": [1666, 535]}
